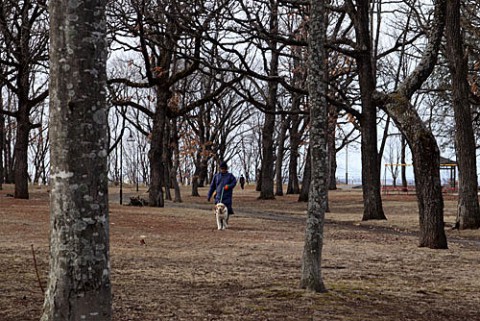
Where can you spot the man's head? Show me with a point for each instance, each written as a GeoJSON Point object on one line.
{"type": "Point", "coordinates": [223, 167]}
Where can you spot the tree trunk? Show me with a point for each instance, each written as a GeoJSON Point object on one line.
{"type": "Point", "coordinates": [2, 142]}
{"type": "Point", "coordinates": [372, 200]}
{"type": "Point", "coordinates": [268, 129]}
{"type": "Point", "coordinates": [167, 160]}
{"type": "Point", "coordinates": [203, 173]}
{"type": "Point", "coordinates": [258, 178]}
{"type": "Point", "coordinates": [331, 150]}
{"type": "Point", "coordinates": [403, 160]}
{"type": "Point", "coordinates": [279, 158]}
{"type": "Point", "coordinates": [426, 156]}
{"type": "Point", "coordinates": [9, 157]}
{"type": "Point", "coordinates": [293, 186]}
{"type": "Point", "coordinates": [307, 175]}
{"type": "Point", "coordinates": [155, 154]}
{"type": "Point", "coordinates": [426, 163]}
{"type": "Point", "coordinates": [176, 162]}
{"type": "Point", "coordinates": [468, 215]}
{"type": "Point", "coordinates": [196, 175]}
{"type": "Point", "coordinates": [79, 281]}
{"type": "Point", "coordinates": [21, 155]}
{"type": "Point", "coordinates": [267, 172]}
{"type": "Point", "coordinates": [311, 278]}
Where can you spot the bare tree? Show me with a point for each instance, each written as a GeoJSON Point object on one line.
{"type": "Point", "coordinates": [169, 41]}
{"type": "Point", "coordinates": [468, 215]}
{"type": "Point", "coordinates": [267, 165]}
{"type": "Point", "coordinates": [23, 25]}
{"type": "Point", "coordinates": [366, 64]}
{"type": "Point", "coordinates": [79, 285]}
{"type": "Point", "coordinates": [8, 140]}
{"type": "Point", "coordinates": [425, 151]}
{"type": "Point", "coordinates": [295, 129]}
{"type": "Point", "coordinates": [317, 85]}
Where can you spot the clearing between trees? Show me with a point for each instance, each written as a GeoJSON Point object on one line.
{"type": "Point", "coordinates": [172, 263]}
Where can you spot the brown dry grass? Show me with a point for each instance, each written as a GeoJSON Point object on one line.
{"type": "Point", "coordinates": [190, 271]}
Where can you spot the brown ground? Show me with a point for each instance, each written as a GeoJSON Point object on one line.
{"type": "Point", "coordinates": [190, 271]}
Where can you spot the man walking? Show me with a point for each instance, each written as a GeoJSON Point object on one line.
{"type": "Point", "coordinates": [223, 184]}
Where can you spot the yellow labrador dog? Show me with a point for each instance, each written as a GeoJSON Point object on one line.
{"type": "Point", "coordinates": [221, 214]}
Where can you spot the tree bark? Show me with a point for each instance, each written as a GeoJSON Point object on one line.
{"type": "Point", "coordinates": [24, 39]}
{"type": "Point", "coordinates": [468, 215]}
{"type": "Point", "coordinates": [307, 176]}
{"type": "Point", "coordinates": [155, 155]}
{"type": "Point", "coordinates": [312, 253]}
{"type": "Point", "coordinates": [267, 171]}
{"type": "Point", "coordinates": [279, 158]}
{"type": "Point", "coordinates": [176, 161]}
{"type": "Point", "coordinates": [21, 157]}
{"type": "Point", "coordinates": [2, 142]}
{"type": "Point", "coordinates": [79, 280]}
{"type": "Point", "coordinates": [372, 200]}
{"type": "Point", "coordinates": [403, 160]}
{"type": "Point", "coordinates": [293, 186]}
{"type": "Point", "coordinates": [426, 164]}
{"type": "Point", "coordinates": [332, 151]}
{"type": "Point", "coordinates": [196, 174]}
{"type": "Point", "coordinates": [422, 143]}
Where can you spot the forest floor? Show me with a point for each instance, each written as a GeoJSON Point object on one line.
{"type": "Point", "coordinates": [188, 270]}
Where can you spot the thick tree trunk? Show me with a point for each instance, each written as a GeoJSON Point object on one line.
{"type": "Point", "coordinates": [426, 156]}
{"type": "Point", "coordinates": [468, 215]}
{"type": "Point", "coordinates": [155, 154]}
{"type": "Point", "coordinates": [426, 162]}
{"type": "Point", "coordinates": [267, 172]}
{"type": "Point", "coordinates": [79, 280]}
{"type": "Point", "coordinates": [372, 200]}
{"type": "Point", "coordinates": [311, 278]}
{"type": "Point", "coordinates": [21, 155]}
{"type": "Point", "coordinates": [23, 37]}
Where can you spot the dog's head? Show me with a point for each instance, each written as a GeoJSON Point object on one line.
{"type": "Point", "coordinates": [220, 209]}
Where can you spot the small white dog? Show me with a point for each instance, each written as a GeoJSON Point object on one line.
{"type": "Point", "coordinates": [221, 214]}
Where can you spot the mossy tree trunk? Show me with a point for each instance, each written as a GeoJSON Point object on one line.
{"type": "Point", "coordinates": [311, 276]}
{"type": "Point", "coordinates": [79, 286]}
